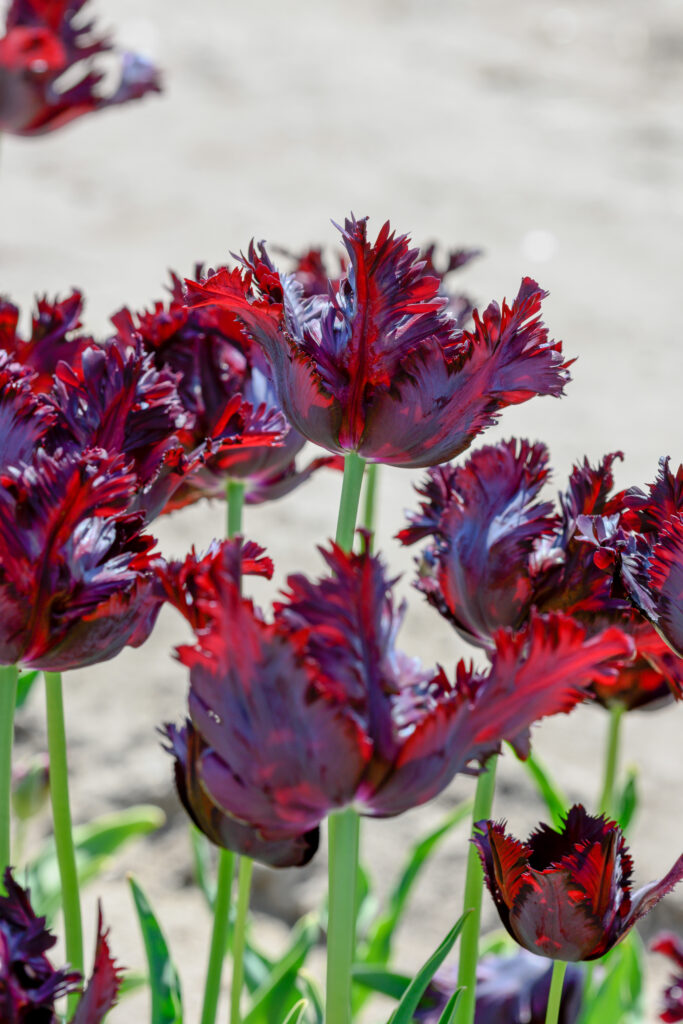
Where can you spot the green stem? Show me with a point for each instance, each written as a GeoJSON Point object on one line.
{"type": "Point", "coordinates": [61, 814]}
{"type": "Point", "coordinates": [369, 508]}
{"type": "Point", "coordinates": [350, 497]}
{"type": "Point", "coordinates": [219, 935]}
{"type": "Point", "coordinates": [234, 493]}
{"type": "Point", "coordinates": [474, 884]}
{"type": "Point", "coordinates": [239, 937]}
{"type": "Point", "coordinates": [552, 1014]}
{"type": "Point", "coordinates": [343, 826]}
{"type": "Point", "coordinates": [343, 858]}
{"type": "Point", "coordinates": [611, 759]}
{"type": "Point", "coordinates": [8, 700]}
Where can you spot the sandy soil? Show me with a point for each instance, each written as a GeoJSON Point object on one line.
{"type": "Point", "coordinates": [552, 137]}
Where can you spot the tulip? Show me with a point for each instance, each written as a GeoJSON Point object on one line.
{"type": "Point", "coordinates": [294, 719]}
{"type": "Point", "coordinates": [376, 367]}
{"type": "Point", "coordinates": [46, 39]}
{"type": "Point", "coordinates": [671, 946]}
{"type": "Point", "coordinates": [567, 895]}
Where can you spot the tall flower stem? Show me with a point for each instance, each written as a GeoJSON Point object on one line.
{"type": "Point", "coordinates": [61, 815]}
{"type": "Point", "coordinates": [219, 935]}
{"type": "Point", "coordinates": [474, 884]}
{"type": "Point", "coordinates": [350, 498]}
{"type": "Point", "coordinates": [343, 826]}
{"type": "Point", "coordinates": [611, 759]}
{"type": "Point", "coordinates": [552, 1014]}
{"type": "Point", "coordinates": [234, 493]}
{"type": "Point", "coordinates": [370, 497]}
{"type": "Point", "coordinates": [239, 936]}
{"type": "Point", "coordinates": [234, 496]}
{"type": "Point", "coordinates": [8, 700]}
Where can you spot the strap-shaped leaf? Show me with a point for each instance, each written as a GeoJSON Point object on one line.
{"type": "Point", "coordinates": [403, 1014]}
{"type": "Point", "coordinates": [378, 949]}
{"type": "Point", "coordinates": [274, 996]}
{"type": "Point", "coordinates": [296, 1013]}
{"type": "Point", "coordinates": [167, 1002]}
{"type": "Point", "coordinates": [552, 795]}
{"type": "Point", "coordinates": [95, 844]}
{"type": "Point", "coordinates": [448, 1015]}
{"type": "Point", "coordinates": [25, 684]}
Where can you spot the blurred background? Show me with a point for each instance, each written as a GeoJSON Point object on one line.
{"type": "Point", "coordinates": [550, 136]}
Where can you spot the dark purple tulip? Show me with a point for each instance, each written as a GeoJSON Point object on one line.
{"type": "Point", "coordinates": [46, 39]}
{"type": "Point", "coordinates": [510, 990]}
{"type": "Point", "coordinates": [215, 364]}
{"type": "Point", "coordinates": [55, 335]}
{"type": "Point", "coordinates": [567, 895]}
{"type": "Point", "coordinates": [295, 718]}
{"type": "Point", "coordinates": [497, 552]}
{"type": "Point", "coordinates": [77, 578]}
{"type": "Point", "coordinates": [652, 557]}
{"type": "Point", "coordinates": [671, 946]}
{"type": "Point", "coordinates": [114, 398]}
{"type": "Point", "coordinates": [315, 276]}
{"type": "Point", "coordinates": [25, 418]}
{"type": "Point", "coordinates": [376, 366]}
{"type": "Point", "coordinates": [29, 984]}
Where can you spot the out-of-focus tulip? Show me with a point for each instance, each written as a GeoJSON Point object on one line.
{"type": "Point", "coordinates": [45, 40]}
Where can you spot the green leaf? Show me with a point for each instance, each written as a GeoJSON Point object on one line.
{"type": "Point", "coordinates": [25, 684]}
{"type": "Point", "coordinates": [167, 1003]}
{"type": "Point", "coordinates": [296, 1013]}
{"type": "Point", "coordinates": [619, 995]}
{"type": "Point", "coordinates": [310, 989]}
{"type": "Point", "coordinates": [381, 979]}
{"type": "Point", "coordinates": [278, 992]}
{"type": "Point", "coordinates": [628, 799]}
{"type": "Point", "coordinates": [448, 1015]}
{"type": "Point", "coordinates": [366, 902]}
{"type": "Point", "coordinates": [552, 795]}
{"type": "Point", "coordinates": [95, 844]}
{"type": "Point", "coordinates": [132, 981]}
{"type": "Point", "coordinates": [403, 1014]}
{"type": "Point", "coordinates": [380, 937]}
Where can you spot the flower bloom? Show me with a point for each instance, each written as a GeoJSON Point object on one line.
{"type": "Point", "coordinates": [671, 946]}
{"type": "Point", "coordinates": [29, 984]}
{"type": "Point", "coordinates": [510, 990]}
{"type": "Point", "coordinates": [497, 552]}
{"type": "Point", "coordinates": [295, 718]}
{"type": "Point", "coordinates": [45, 39]}
{"type": "Point", "coordinates": [652, 557]}
{"type": "Point", "coordinates": [376, 365]}
{"type": "Point", "coordinates": [77, 577]}
{"type": "Point", "coordinates": [55, 336]}
{"type": "Point", "coordinates": [567, 895]}
{"type": "Point", "coordinates": [315, 277]}
{"type": "Point", "coordinates": [215, 364]}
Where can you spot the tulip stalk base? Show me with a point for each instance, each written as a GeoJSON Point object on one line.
{"type": "Point", "coordinates": [219, 935]}
{"type": "Point", "coordinates": [8, 699]}
{"type": "Point", "coordinates": [61, 815]}
{"type": "Point", "coordinates": [616, 713]}
{"type": "Point", "coordinates": [552, 1014]}
{"type": "Point", "coordinates": [343, 834]}
{"type": "Point", "coordinates": [240, 936]}
{"type": "Point", "coordinates": [474, 885]}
